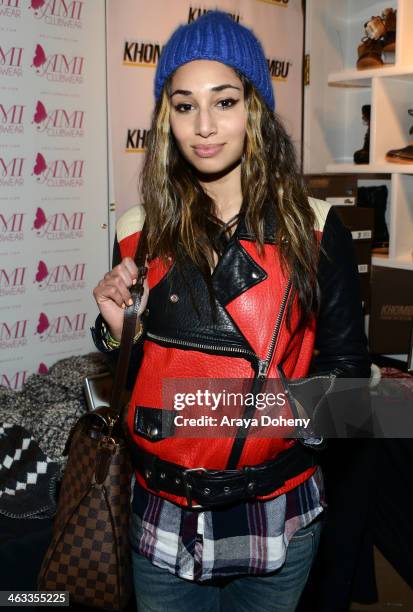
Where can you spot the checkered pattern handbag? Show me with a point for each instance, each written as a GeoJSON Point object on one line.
{"type": "Point", "coordinates": [89, 553]}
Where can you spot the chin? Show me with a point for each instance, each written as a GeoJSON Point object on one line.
{"type": "Point", "coordinates": [214, 166]}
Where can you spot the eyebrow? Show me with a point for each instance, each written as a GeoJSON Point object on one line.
{"type": "Point", "coordinates": [186, 92]}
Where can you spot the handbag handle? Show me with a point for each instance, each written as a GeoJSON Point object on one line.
{"type": "Point", "coordinates": [129, 326]}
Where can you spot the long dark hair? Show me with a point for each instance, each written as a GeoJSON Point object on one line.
{"type": "Point", "coordinates": [181, 216]}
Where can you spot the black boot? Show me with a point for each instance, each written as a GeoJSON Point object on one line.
{"type": "Point", "coordinates": [376, 198]}
{"type": "Point", "coordinates": [362, 156]}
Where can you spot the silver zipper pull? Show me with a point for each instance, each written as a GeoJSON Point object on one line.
{"type": "Point", "coordinates": [262, 368]}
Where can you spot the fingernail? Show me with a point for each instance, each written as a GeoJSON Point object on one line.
{"type": "Point", "coordinates": [130, 302]}
{"type": "Point", "coordinates": [135, 280]}
{"type": "Point", "coordinates": [123, 305]}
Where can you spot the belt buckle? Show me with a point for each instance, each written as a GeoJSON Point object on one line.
{"type": "Point", "coordinates": [188, 486]}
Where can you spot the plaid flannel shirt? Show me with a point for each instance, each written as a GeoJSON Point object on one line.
{"type": "Point", "coordinates": [247, 538]}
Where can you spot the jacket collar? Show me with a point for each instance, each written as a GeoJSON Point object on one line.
{"type": "Point", "coordinates": [242, 233]}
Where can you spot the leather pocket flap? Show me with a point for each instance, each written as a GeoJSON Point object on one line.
{"type": "Point", "coordinates": [153, 424]}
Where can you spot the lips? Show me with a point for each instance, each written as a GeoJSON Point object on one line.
{"type": "Point", "coordinates": [207, 150]}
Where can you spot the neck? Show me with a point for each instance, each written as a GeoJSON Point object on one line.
{"type": "Point", "coordinates": [225, 190]}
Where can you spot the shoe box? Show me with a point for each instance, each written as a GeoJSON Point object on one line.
{"type": "Point", "coordinates": [341, 191]}
{"type": "Point", "coordinates": [335, 188]}
{"type": "Point", "coordinates": [391, 311]}
{"type": "Point", "coordinates": [360, 222]}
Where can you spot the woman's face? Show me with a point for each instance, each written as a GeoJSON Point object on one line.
{"type": "Point", "coordinates": [208, 116]}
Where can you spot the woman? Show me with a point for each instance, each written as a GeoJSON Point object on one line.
{"type": "Point", "coordinates": [237, 288]}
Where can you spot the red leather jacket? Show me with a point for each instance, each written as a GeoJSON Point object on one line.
{"type": "Point", "coordinates": [248, 337]}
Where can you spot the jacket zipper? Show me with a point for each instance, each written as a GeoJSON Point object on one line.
{"type": "Point", "coordinates": [205, 347]}
{"type": "Point", "coordinates": [263, 365]}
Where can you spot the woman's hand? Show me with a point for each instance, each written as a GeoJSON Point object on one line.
{"type": "Point", "coordinates": [112, 295]}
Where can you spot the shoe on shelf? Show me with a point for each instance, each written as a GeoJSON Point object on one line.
{"type": "Point", "coordinates": [389, 40]}
{"type": "Point", "coordinates": [383, 28]}
{"type": "Point", "coordinates": [369, 54]}
{"type": "Point", "coordinates": [375, 28]}
{"type": "Point", "coordinates": [376, 198]}
{"type": "Point", "coordinates": [405, 154]}
{"type": "Point", "coordinates": [362, 156]}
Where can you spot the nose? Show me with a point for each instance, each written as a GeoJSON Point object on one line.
{"type": "Point", "coordinates": [205, 123]}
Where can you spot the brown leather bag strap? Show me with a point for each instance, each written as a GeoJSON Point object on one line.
{"type": "Point", "coordinates": [129, 326]}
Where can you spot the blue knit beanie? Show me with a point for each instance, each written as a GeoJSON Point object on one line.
{"type": "Point", "coordinates": [216, 36]}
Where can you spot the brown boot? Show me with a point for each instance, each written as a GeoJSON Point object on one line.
{"type": "Point", "coordinates": [375, 28]}
{"type": "Point", "coordinates": [369, 54]}
{"type": "Point", "coordinates": [389, 39]}
{"type": "Point", "coordinates": [404, 155]}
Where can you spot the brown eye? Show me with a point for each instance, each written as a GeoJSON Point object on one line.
{"type": "Point", "coordinates": [183, 108]}
{"type": "Point", "coordinates": [227, 103]}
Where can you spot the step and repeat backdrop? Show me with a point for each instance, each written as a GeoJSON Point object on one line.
{"type": "Point", "coordinates": [137, 30]}
{"type": "Point", "coordinates": [53, 180]}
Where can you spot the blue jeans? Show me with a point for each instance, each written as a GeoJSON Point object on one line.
{"type": "Point", "coordinates": [157, 590]}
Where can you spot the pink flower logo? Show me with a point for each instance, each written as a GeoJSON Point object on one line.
{"type": "Point", "coordinates": [42, 272]}
{"type": "Point", "coordinates": [43, 369]}
{"type": "Point", "coordinates": [43, 323]}
{"type": "Point", "coordinates": [40, 219]}
{"type": "Point", "coordinates": [40, 113]}
{"type": "Point", "coordinates": [40, 165]}
{"type": "Point", "coordinates": [39, 57]}
{"type": "Point", "coordinates": [36, 4]}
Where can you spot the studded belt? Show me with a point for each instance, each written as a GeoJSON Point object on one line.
{"type": "Point", "coordinates": [207, 489]}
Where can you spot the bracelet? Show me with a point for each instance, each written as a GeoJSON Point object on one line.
{"type": "Point", "coordinates": [112, 343]}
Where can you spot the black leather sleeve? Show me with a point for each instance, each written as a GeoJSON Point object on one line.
{"type": "Point", "coordinates": [341, 344]}
{"type": "Point", "coordinates": [112, 355]}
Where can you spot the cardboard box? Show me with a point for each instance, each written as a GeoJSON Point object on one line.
{"type": "Point", "coordinates": [363, 258]}
{"type": "Point", "coordinates": [360, 221]}
{"type": "Point", "coordinates": [323, 186]}
{"type": "Point", "coordinates": [391, 310]}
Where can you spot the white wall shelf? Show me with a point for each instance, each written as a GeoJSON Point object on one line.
{"type": "Point", "coordinates": [333, 127]}
{"type": "Point", "coordinates": [362, 78]}
{"type": "Point", "coordinates": [386, 168]}
{"type": "Point", "coordinates": [392, 262]}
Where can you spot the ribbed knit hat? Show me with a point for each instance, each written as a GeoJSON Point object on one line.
{"type": "Point", "coordinates": [216, 36]}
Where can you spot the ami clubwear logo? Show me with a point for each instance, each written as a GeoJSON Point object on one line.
{"type": "Point", "coordinates": [58, 172]}
{"type": "Point", "coordinates": [58, 66]}
{"type": "Point", "coordinates": [11, 118]}
{"type": "Point", "coordinates": [279, 69]}
{"type": "Point", "coordinates": [59, 121]}
{"type": "Point", "coordinates": [61, 277]}
{"type": "Point", "coordinates": [62, 328]}
{"type": "Point", "coordinates": [63, 13]}
{"type": "Point", "coordinates": [13, 335]}
{"type": "Point", "coordinates": [195, 13]}
{"type": "Point", "coordinates": [11, 227]}
{"type": "Point", "coordinates": [136, 140]}
{"type": "Point", "coordinates": [11, 60]}
{"type": "Point", "coordinates": [11, 171]}
{"type": "Point", "coordinates": [59, 226]}
{"type": "Point", "coordinates": [12, 280]}
{"type": "Point", "coordinates": [15, 380]}
{"type": "Point", "coordinates": [10, 8]}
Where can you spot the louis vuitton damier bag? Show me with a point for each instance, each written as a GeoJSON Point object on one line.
{"type": "Point", "coordinates": [89, 553]}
